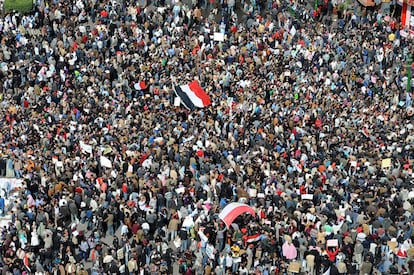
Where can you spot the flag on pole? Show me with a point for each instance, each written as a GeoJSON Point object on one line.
{"type": "Point", "coordinates": [409, 69]}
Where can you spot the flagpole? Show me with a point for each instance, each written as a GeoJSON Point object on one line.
{"type": "Point", "coordinates": [409, 64]}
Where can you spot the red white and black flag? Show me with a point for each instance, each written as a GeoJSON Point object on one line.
{"type": "Point", "coordinates": [192, 95]}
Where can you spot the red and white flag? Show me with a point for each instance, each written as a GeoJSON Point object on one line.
{"type": "Point", "coordinates": [232, 210]}
{"type": "Point", "coordinates": [140, 86]}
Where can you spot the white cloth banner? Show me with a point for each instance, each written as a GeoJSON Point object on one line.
{"type": "Point", "coordinates": [85, 148]}
{"type": "Point", "coordinates": [105, 162]}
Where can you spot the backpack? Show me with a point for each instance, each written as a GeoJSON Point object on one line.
{"type": "Point", "coordinates": [183, 268]}
{"type": "Point", "coordinates": [113, 268]}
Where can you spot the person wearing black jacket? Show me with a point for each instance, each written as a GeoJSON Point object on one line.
{"type": "Point", "coordinates": [3, 167]}
{"type": "Point", "coordinates": [183, 234]}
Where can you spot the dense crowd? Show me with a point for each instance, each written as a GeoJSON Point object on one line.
{"type": "Point", "coordinates": [311, 124]}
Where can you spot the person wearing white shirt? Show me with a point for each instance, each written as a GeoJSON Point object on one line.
{"type": "Point", "coordinates": [63, 201]}
{"type": "Point", "coordinates": [229, 261]}
{"type": "Point", "coordinates": [124, 229]}
{"type": "Point", "coordinates": [93, 204]}
{"type": "Point", "coordinates": [243, 270]}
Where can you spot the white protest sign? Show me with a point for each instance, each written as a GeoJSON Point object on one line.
{"type": "Point", "coordinates": [218, 36]}
{"type": "Point", "coordinates": [332, 243]}
{"type": "Point", "coordinates": [307, 196]}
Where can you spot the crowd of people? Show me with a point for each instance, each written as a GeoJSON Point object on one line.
{"type": "Point", "coordinates": [310, 123]}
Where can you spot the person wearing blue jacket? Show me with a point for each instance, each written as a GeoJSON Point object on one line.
{"type": "Point", "coordinates": [2, 206]}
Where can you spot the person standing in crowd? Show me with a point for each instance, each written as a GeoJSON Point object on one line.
{"type": "Point", "coordinates": [2, 206]}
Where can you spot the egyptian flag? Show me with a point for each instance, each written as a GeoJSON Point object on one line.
{"type": "Point", "coordinates": [26, 262]}
{"type": "Point", "coordinates": [405, 13]}
{"type": "Point", "coordinates": [252, 238]}
{"type": "Point", "coordinates": [192, 95]}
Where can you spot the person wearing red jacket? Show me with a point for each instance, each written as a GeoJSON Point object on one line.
{"type": "Point", "coordinates": [332, 252]}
